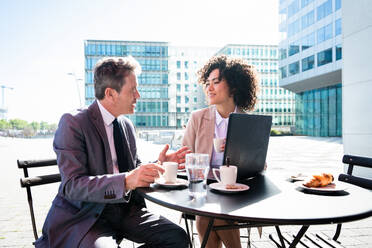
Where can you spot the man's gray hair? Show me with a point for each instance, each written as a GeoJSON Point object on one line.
{"type": "Point", "coordinates": [111, 72]}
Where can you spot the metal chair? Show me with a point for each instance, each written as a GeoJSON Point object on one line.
{"type": "Point", "coordinates": [28, 182]}
{"type": "Point", "coordinates": [321, 240]}
{"type": "Point", "coordinates": [366, 183]}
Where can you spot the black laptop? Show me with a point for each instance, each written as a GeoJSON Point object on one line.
{"type": "Point", "coordinates": [247, 142]}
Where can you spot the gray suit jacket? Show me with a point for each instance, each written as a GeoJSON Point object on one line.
{"type": "Point", "coordinates": [88, 182]}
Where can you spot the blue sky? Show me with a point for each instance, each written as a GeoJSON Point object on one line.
{"type": "Point", "coordinates": [43, 40]}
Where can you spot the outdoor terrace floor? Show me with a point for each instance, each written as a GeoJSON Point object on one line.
{"type": "Point", "coordinates": [287, 155]}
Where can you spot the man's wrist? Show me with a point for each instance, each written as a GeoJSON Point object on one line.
{"type": "Point", "coordinates": [126, 189]}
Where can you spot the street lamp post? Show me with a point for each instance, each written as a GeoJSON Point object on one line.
{"type": "Point", "coordinates": [77, 85]}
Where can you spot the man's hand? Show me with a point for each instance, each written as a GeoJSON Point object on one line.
{"type": "Point", "coordinates": [178, 156]}
{"type": "Point", "coordinates": [142, 176]}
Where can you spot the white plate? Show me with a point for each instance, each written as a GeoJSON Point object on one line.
{"type": "Point", "coordinates": [180, 182]}
{"type": "Point", "coordinates": [222, 188]}
{"type": "Point", "coordinates": [333, 187]}
{"type": "Point", "coordinates": [298, 177]}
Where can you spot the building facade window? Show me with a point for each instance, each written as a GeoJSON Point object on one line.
{"type": "Point", "coordinates": [178, 64]}
{"type": "Point", "coordinates": [294, 48]}
{"type": "Point", "coordinates": [153, 92]}
{"type": "Point", "coordinates": [337, 5]}
{"type": "Point", "coordinates": [324, 33]}
{"type": "Point", "coordinates": [324, 57]}
{"type": "Point", "coordinates": [304, 3]}
{"type": "Point", "coordinates": [293, 8]}
{"type": "Point", "coordinates": [307, 20]}
{"type": "Point", "coordinates": [178, 88]}
{"type": "Point", "coordinates": [294, 28]}
{"type": "Point", "coordinates": [338, 28]}
{"type": "Point", "coordinates": [178, 75]}
{"type": "Point", "coordinates": [186, 64]}
{"type": "Point", "coordinates": [186, 76]}
{"type": "Point", "coordinates": [178, 99]}
{"type": "Point", "coordinates": [324, 10]}
{"type": "Point", "coordinates": [308, 41]}
{"type": "Point", "coordinates": [294, 68]}
{"type": "Point", "coordinates": [283, 72]}
{"type": "Point", "coordinates": [308, 63]}
{"type": "Point", "coordinates": [338, 52]}
{"type": "Point", "coordinates": [319, 112]}
{"type": "Point", "coordinates": [282, 53]}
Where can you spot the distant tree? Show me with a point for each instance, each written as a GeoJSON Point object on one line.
{"type": "Point", "coordinates": [44, 125]}
{"type": "Point", "coordinates": [18, 124]}
{"type": "Point", "coordinates": [26, 129]}
{"type": "Point", "coordinates": [35, 125]}
{"type": "Point", "coordinates": [52, 127]}
{"type": "Point", "coordinates": [4, 125]}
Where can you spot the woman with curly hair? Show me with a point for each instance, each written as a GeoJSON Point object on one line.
{"type": "Point", "coordinates": [230, 86]}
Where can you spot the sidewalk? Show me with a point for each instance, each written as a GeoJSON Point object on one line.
{"type": "Point", "coordinates": [286, 155]}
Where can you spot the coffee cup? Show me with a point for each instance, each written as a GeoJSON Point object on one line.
{"type": "Point", "coordinates": [227, 174]}
{"type": "Point", "coordinates": [170, 172]}
{"type": "Point", "coordinates": [218, 142]}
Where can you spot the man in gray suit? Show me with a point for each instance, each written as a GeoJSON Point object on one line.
{"type": "Point", "coordinates": [97, 158]}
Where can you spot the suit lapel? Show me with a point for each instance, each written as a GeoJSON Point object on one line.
{"type": "Point", "coordinates": [96, 117]}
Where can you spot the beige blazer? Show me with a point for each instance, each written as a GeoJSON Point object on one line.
{"type": "Point", "coordinates": [199, 131]}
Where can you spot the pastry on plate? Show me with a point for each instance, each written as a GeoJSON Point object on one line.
{"type": "Point", "coordinates": [319, 180]}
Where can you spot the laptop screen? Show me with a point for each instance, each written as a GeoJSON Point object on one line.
{"type": "Point", "coordinates": [247, 143]}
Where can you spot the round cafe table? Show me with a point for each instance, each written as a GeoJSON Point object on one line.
{"type": "Point", "coordinates": [270, 201]}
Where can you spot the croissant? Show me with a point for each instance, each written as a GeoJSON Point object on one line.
{"type": "Point", "coordinates": [319, 180]}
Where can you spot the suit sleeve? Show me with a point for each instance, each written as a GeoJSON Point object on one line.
{"type": "Point", "coordinates": [190, 134]}
{"type": "Point", "coordinates": [78, 182]}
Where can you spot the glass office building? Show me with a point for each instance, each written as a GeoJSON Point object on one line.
{"type": "Point", "coordinates": [152, 110]}
{"type": "Point", "coordinates": [273, 100]}
{"type": "Point", "coordinates": [168, 82]}
{"type": "Point", "coordinates": [186, 94]}
{"type": "Point", "coordinates": [310, 62]}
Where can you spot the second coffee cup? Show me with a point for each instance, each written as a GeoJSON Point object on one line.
{"type": "Point", "coordinates": [218, 142]}
{"type": "Point", "coordinates": [227, 174]}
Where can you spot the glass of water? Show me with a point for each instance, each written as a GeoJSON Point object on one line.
{"type": "Point", "coordinates": [197, 168]}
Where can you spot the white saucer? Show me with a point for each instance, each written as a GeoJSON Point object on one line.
{"type": "Point", "coordinates": [222, 188]}
{"type": "Point", "coordinates": [333, 187]}
{"type": "Point", "coordinates": [178, 183]}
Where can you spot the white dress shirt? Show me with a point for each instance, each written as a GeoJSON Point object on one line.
{"type": "Point", "coordinates": [108, 118]}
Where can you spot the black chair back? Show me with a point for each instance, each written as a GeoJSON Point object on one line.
{"type": "Point", "coordinates": [356, 180]}
{"type": "Point", "coordinates": [28, 182]}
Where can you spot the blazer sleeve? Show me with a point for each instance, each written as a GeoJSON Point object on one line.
{"type": "Point", "coordinates": [190, 133]}
{"type": "Point", "coordinates": [78, 182]}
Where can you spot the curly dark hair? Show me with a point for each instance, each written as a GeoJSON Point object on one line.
{"type": "Point", "coordinates": [241, 78]}
{"type": "Point", "coordinates": [110, 73]}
